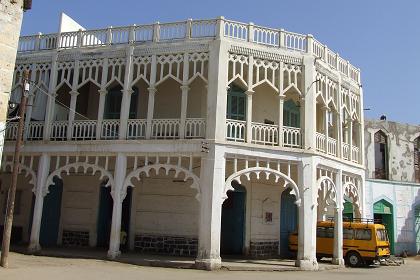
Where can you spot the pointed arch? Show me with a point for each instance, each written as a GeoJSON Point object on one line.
{"type": "Point", "coordinates": [87, 167]}
{"type": "Point", "coordinates": [352, 191]}
{"type": "Point", "coordinates": [288, 182]}
{"type": "Point", "coordinates": [327, 185]}
{"type": "Point", "coordinates": [22, 167]}
{"type": "Point", "coordinates": [167, 167]}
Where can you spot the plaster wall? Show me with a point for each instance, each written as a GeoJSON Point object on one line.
{"type": "Point", "coordinates": [265, 105]}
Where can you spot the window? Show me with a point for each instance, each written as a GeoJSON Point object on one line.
{"type": "Point", "coordinates": [362, 234]}
{"type": "Point", "coordinates": [417, 160]}
{"type": "Point", "coordinates": [347, 233]}
{"type": "Point", "coordinates": [381, 156]}
{"type": "Point", "coordinates": [325, 232]}
{"type": "Point", "coordinates": [291, 114]}
{"type": "Point", "coordinates": [382, 235]}
{"type": "Point", "coordinates": [236, 104]}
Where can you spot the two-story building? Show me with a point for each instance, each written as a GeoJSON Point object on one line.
{"type": "Point", "coordinates": [393, 181]}
{"type": "Point", "coordinates": [198, 138]}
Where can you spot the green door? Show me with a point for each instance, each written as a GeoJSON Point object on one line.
{"type": "Point", "coordinates": [291, 114]}
{"type": "Point", "coordinates": [348, 211]}
{"type": "Point", "coordinates": [383, 211]}
{"type": "Point", "coordinates": [417, 228]}
{"type": "Point", "coordinates": [51, 214]}
{"type": "Point", "coordinates": [288, 221]}
{"type": "Point", "coordinates": [104, 217]}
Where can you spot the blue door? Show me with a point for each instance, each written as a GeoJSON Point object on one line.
{"type": "Point", "coordinates": [104, 217]}
{"type": "Point", "coordinates": [233, 221]}
{"type": "Point", "coordinates": [288, 221]}
{"type": "Point", "coordinates": [51, 213]}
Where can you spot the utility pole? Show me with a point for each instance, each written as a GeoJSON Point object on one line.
{"type": "Point", "coordinates": [7, 231]}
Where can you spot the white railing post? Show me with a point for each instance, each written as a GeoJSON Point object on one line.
{"type": "Point", "coordinates": [348, 69]}
{"type": "Point", "coordinates": [251, 32]}
{"type": "Point", "coordinates": [281, 38]}
{"type": "Point", "coordinates": [37, 42]}
{"type": "Point", "coordinates": [131, 37]}
{"type": "Point", "coordinates": [337, 62]}
{"type": "Point", "coordinates": [156, 31]}
{"type": "Point", "coordinates": [220, 27]}
{"type": "Point", "coordinates": [249, 94]}
{"type": "Point", "coordinates": [184, 102]}
{"type": "Point", "coordinates": [188, 28]}
{"type": "Point", "coordinates": [79, 38]}
{"type": "Point", "coordinates": [109, 35]}
{"type": "Point", "coordinates": [310, 44]}
{"type": "Point", "coordinates": [281, 132]}
{"type": "Point", "coordinates": [325, 54]}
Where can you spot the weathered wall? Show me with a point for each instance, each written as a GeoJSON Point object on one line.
{"type": "Point", "coordinates": [10, 22]}
{"type": "Point", "coordinates": [404, 197]}
{"type": "Point", "coordinates": [23, 216]}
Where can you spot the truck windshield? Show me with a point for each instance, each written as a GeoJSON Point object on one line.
{"type": "Point", "coordinates": [382, 235]}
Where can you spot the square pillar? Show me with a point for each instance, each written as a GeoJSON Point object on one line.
{"type": "Point", "coordinates": [309, 110]}
{"type": "Point", "coordinates": [150, 111]}
{"type": "Point", "coordinates": [280, 120]}
{"type": "Point", "coordinates": [184, 103]}
{"type": "Point", "coordinates": [40, 192]}
{"type": "Point", "coordinates": [102, 97]}
{"type": "Point", "coordinates": [249, 94]}
{"type": "Point", "coordinates": [306, 257]}
{"type": "Point", "coordinates": [212, 180]}
{"type": "Point", "coordinates": [118, 197]}
{"type": "Point", "coordinates": [72, 113]}
{"type": "Point", "coordinates": [338, 258]}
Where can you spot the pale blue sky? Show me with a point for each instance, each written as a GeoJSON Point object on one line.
{"type": "Point", "coordinates": [379, 36]}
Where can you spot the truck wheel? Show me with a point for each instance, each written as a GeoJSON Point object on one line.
{"type": "Point", "coordinates": [354, 259]}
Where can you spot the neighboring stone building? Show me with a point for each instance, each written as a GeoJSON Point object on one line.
{"type": "Point", "coordinates": [393, 181]}
{"type": "Point", "coordinates": [195, 138]}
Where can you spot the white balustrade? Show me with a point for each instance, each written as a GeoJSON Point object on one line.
{"type": "Point", "coordinates": [170, 31]}
{"type": "Point", "coordinates": [236, 30]}
{"type": "Point", "coordinates": [47, 41]}
{"type": "Point", "coordinates": [266, 134]}
{"type": "Point", "coordinates": [320, 142]}
{"type": "Point", "coordinates": [27, 43]}
{"type": "Point", "coordinates": [96, 37]}
{"type": "Point", "coordinates": [68, 39]}
{"type": "Point", "coordinates": [203, 28]}
{"type": "Point", "coordinates": [294, 41]}
{"type": "Point", "coordinates": [266, 36]}
{"type": "Point", "coordinates": [318, 49]}
{"type": "Point", "coordinates": [195, 128]}
{"type": "Point", "coordinates": [35, 130]}
{"type": "Point", "coordinates": [120, 35]}
{"type": "Point", "coordinates": [165, 128]}
{"type": "Point", "coordinates": [292, 137]}
{"type": "Point", "coordinates": [346, 151]}
{"type": "Point", "coordinates": [355, 154]}
{"type": "Point", "coordinates": [110, 129]}
{"type": "Point", "coordinates": [11, 131]}
{"type": "Point", "coordinates": [143, 33]}
{"type": "Point", "coordinates": [58, 130]}
{"type": "Point", "coordinates": [235, 130]}
{"type": "Point", "coordinates": [332, 146]}
{"type": "Point", "coordinates": [84, 129]}
{"type": "Point", "coordinates": [136, 129]}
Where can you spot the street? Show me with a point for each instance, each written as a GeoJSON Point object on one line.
{"type": "Point", "coordinates": [37, 267]}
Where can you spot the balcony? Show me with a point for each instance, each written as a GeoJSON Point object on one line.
{"type": "Point", "coordinates": [330, 147]}
{"type": "Point", "coordinates": [83, 130]}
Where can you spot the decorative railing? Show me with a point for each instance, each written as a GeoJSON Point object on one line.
{"type": "Point", "coordinates": [292, 137]}
{"type": "Point", "coordinates": [165, 128]}
{"type": "Point", "coordinates": [190, 29]}
{"type": "Point", "coordinates": [266, 134]}
{"type": "Point", "coordinates": [35, 131]}
{"type": "Point", "coordinates": [58, 130]}
{"type": "Point", "coordinates": [235, 130]}
{"type": "Point", "coordinates": [195, 128]}
{"type": "Point", "coordinates": [11, 131]}
{"type": "Point", "coordinates": [110, 129]}
{"type": "Point", "coordinates": [332, 146]}
{"type": "Point", "coordinates": [136, 129]}
{"type": "Point", "coordinates": [84, 130]}
{"type": "Point", "coordinates": [320, 142]}
{"type": "Point", "coordinates": [355, 154]}
{"type": "Point", "coordinates": [346, 151]}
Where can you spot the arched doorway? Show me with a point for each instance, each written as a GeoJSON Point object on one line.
{"type": "Point", "coordinates": [104, 217]}
{"type": "Point", "coordinates": [383, 212]}
{"type": "Point", "coordinates": [233, 221]}
{"type": "Point", "coordinates": [51, 214]}
{"type": "Point", "coordinates": [288, 221]}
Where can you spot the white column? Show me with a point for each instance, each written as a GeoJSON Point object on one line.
{"type": "Point", "coordinates": [151, 100]}
{"type": "Point", "coordinates": [280, 120]}
{"type": "Point", "coordinates": [29, 107]}
{"type": "Point", "coordinates": [73, 101]}
{"type": "Point", "coordinates": [184, 103]}
{"type": "Point", "coordinates": [309, 117]}
{"type": "Point", "coordinates": [306, 257]}
{"type": "Point", "coordinates": [361, 127]}
{"type": "Point", "coordinates": [117, 196]}
{"type": "Point", "coordinates": [212, 181]}
{"type": "Point", "coordinates": [338, 134]}
{"type": "Point", "coordinates": [326, 111]}
{"type": "Point", "coordinates": [42, 174]}
{"type": "Point", "coordinates": [217, 90]}
{"type": "Point", "coordinates": [127, 91]}
{"type": "Point", "coordinates": [338, 223]}
{"type": "Point", "coordinates": [49, 112]}
{"type": "Point", "coordinates": [102, 97]}
{"type": "Point", "coordinates": [249, 94]}
{"type": "Point", "coordinates": [350, 135]}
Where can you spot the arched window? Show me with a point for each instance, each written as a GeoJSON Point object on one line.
{"type": "Point", "coordinates": [381, 156]}
{"type": "Point", "coordinates": [417, 160]}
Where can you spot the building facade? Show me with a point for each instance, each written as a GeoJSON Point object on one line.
{"type": "Point", "coordinates": [393, 181]}
{"type": "Point", "coordinates": [195, 138]}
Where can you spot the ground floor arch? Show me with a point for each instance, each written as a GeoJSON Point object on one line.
{"type": "Point", "coordinates": [383, 212]}
{"type": "Point", "coordinates": [288, 221]}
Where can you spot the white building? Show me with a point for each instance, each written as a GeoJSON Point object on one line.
{"type": "Point", "coordinates": [167, 121]}
{"type": "Point", "coordinates": [393, 181]}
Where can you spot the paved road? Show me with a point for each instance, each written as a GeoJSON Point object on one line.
{"type": "Point", "coordinates": [43, 268]}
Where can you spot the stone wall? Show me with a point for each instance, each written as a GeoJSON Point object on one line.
{"type": "Point", "coordinates": [169, 245]}
{"type": "Point", "coordinates": [75, 238]}
{"type": "Point", "coordinates": [264, 249]}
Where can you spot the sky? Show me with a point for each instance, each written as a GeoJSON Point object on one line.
{"type": "Point", "coordinates": [381, 37]}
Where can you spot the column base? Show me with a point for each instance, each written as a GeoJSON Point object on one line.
{"type": "Point", "coordinates": [34, 248]}
{"type": "Point", "coordinates": [338, 261]}
{"type": "Point", "coordinates": [113, 254]}
{"type": "Point", "coordinates": [208, 264]}
{"type": "Point", "coordinates": [307, 264]}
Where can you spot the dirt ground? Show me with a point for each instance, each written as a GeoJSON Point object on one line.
{"type": "Point", "coordinates": [41, 268]}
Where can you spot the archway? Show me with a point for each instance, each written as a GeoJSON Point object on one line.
{"type": "Point", "coordinates": [288, 221]}
{"type": "Point", "coordinates": [383, 212]}
{"type": "Point", "coordinates": [233, 221]}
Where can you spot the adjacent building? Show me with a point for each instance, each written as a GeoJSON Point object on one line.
{"type": "Point", "coordinates": [198, 138]}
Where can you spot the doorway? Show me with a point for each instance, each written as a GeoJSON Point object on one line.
{"type": "Point", "coordinates": [233, 221]}
{"type": "Point", "coordinates": [288, 221]}
{"type": "Point", "coordinates": [104, 217]}
{"type": "Point", "coordinates": [383, 212]}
